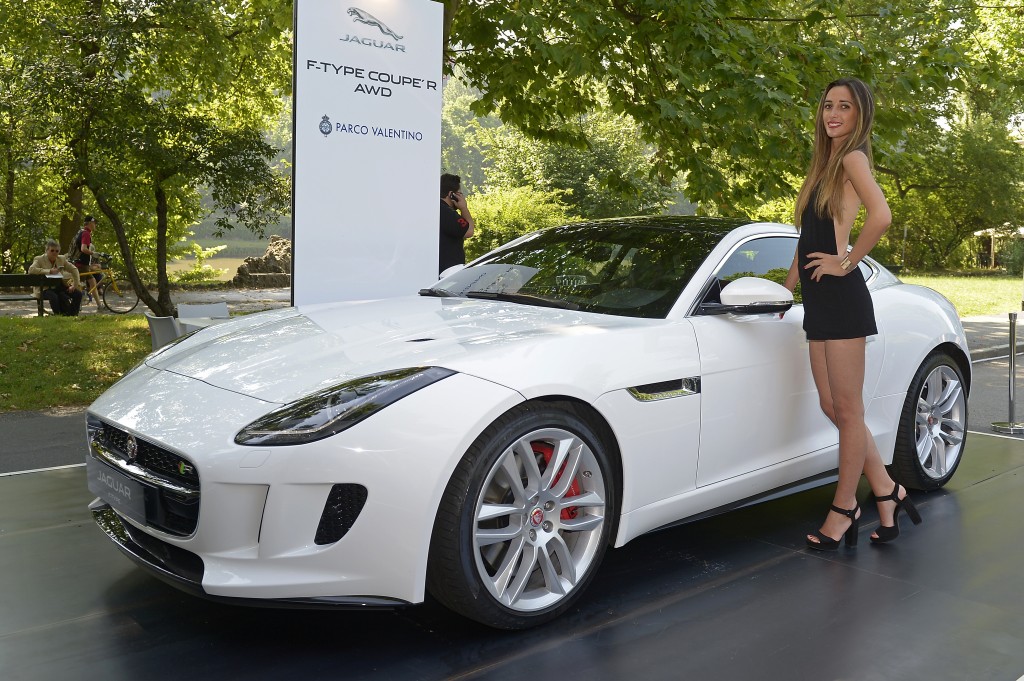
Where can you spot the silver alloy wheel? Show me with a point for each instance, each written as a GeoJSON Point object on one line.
{"type": "Point", "coordinates": [940, 423]}
{"type": "Point", "coordinates": [539, 519]}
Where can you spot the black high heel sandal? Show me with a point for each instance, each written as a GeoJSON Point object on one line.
{"type": "Point", "coordinates": [888, 533]}
{"type": "Point", "coordinates": [827, 543]}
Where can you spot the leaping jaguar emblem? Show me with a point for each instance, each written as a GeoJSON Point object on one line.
{"type": "Point", "coordinates": [364, 17]}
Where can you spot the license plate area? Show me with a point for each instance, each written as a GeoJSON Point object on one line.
{"type": "Point", "coordinates": [125, 495]}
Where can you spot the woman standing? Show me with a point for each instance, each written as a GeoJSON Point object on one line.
{"type": "Point", "coordinates": [838, 313]}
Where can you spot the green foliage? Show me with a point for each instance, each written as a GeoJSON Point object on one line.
{"type": "Point", "coordinates": [502, 214]}
{"type": "Point", "coordinates": [146, 104]}
{"type": "Point", "coordinates": [610, 176]}
{"type": "Point", "coordinates": [724, 91]}
{"type": "Point", "coordinates": [463, 135]}
{"type": "Point", "coordinates": [975, 183]}
{"type": "Point", "coordinates": [199, 271]}
{"type": "Point", "coordinates": [1011, 257]}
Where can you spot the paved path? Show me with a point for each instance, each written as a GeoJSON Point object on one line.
{"type": "Point", "coordinates": [238, 300]}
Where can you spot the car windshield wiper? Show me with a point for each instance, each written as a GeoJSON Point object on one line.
{"type": "Point", "coordinates": [524, 298]}
{"type": "Point", "coordinates": [436, 292]}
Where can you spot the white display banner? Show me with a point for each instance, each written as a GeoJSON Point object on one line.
{"type": "Point", "coordinates": [367, 108]}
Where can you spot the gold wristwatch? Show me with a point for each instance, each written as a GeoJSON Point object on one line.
{"type": "Point", "coordinates": [845, 264]}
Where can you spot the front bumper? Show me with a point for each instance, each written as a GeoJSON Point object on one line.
{"type": "Point", "coordinates": [184, 570]}
{"type": "Point", "coordinates": [256, 536]}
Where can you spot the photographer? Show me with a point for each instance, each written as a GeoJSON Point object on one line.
{"type": "Point", "coordinates": [456, 223]}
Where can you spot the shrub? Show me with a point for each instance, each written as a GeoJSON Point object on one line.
{"type": "Point", "coordinates": [502, 214]}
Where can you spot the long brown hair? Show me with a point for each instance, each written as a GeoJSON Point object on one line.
{"type": "Point", "coordinates": [826, 169]}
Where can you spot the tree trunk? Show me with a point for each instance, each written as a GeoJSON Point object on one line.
{"type": "Point", "coordinates": [163, 287]}
{"type": "Point", "coordinates": [71, 221]}
{"type": "Point", "coordinates": [451, 8]}
{"type": "Point", "coordinates": [7, 228]}
{"type": "Point", "coordinates": [129, 261]}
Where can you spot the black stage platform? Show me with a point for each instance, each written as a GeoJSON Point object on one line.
{"type": "Point", "coordinates": [733, 597]}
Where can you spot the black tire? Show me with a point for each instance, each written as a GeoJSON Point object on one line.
{"type": "Point", "coordinates": [933, 425]}
{"type": "Point", "coordinates": [544, 531]}
{"type": "Point", "coordinates": [123, 300]}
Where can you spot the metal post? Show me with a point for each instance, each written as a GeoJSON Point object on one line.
{"type": "Point", "coordinates": [1010, 427]}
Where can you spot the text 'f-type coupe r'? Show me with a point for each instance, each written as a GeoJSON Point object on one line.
{"type": "Point", "coordinates": [488, 439]}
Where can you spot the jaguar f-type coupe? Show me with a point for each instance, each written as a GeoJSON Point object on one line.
{"type": "Point", "coordinates": [488, 438]}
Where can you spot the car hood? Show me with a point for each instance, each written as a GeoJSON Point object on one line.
{"type": "Point", "coordinates": [281, 355]}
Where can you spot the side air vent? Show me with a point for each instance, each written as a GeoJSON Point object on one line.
{"type": "Point", "coordinates": [664, 390]}
{"type": "Point", "coordinates": [344, 504]}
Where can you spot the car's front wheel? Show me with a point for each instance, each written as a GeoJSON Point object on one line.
{"type": "Point", "coordinates": [933, 426]}
{"type": "Point", "coordinates": [526, 518]}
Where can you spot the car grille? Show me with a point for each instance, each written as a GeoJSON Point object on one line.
{"type": "Point", "coordinates": [343, 506]}
{"type": "Point", "coordinates": [153, 458]}
{"type": "Point", "coordinates": [166, 510]}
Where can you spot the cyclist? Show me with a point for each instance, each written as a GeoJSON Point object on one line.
{"type": "Point", "coordinates": [81, 253]}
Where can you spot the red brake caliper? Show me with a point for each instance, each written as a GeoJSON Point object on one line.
{"type": "Point", "coordinates": [547, 451]}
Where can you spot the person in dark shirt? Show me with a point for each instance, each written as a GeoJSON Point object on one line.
{"type": "Point", "coordinates": [456, 223]}
{"type": "Point", "coordinates": [81, 253]}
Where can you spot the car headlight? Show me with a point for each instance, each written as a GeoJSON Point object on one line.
{"type": "Point", "coordinates": [332, 410]}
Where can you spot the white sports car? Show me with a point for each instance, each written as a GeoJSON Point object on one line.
{"type": "Point", "coordinates": [488, 439]}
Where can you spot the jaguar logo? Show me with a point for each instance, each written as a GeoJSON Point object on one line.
{"type": "Point", "coordinates": [365, 17]}
{"type": "Point", "coordinates": [325, 126]}
{"type": "Point", "coordinates": [131, 449]}
{"type": "Point", "coordinates": [116, 486]}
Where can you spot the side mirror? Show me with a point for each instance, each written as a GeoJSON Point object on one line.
{"type": "Point", "coordinates": [751, 295]}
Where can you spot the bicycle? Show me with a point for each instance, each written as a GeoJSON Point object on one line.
{"type": "Point", "coordinates": [118, 294]}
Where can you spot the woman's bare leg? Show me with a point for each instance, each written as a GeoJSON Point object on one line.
{"type": "Point", "coordinates": [842, 363]}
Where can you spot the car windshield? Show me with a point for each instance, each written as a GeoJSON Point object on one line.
{"type": "Point", "coordinates": [634, 269]}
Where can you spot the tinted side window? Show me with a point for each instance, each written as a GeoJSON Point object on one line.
{"type": "Point", "coordinates": [768, 258]}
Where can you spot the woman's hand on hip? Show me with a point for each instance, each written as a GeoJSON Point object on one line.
{"type": "Point", "coordinates": [821, 264]}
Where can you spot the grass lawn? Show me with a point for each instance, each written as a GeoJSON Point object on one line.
{"type": "Point", "coordinates": [48, 362]}
{"type": "Point", "coordinates": [53, 362]}
{"type": "Point", "coordinates": [974, 296]}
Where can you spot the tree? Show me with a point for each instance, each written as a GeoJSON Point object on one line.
{"type": "Point", "coordinates": [463, 141]}
{"type": "Point", "coordinates": [976, 182]}
{"type": "Point", "coordinates": [724, 91]}
{"type": "Point", "coordinates": [610, 176]}
{"type": "Point", "coordinates": [143, 114]}
{"type": "Point", "coordinates": [28, 205]}
{"type": "Point", "coordinates": [504, 213]}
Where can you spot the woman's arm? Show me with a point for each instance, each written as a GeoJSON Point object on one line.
{"type": "Point", "coordinates": [879, 217]}
{"type": "Point", "coordinates": [793, 277]}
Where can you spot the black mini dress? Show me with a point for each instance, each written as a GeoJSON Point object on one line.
{"type": "Point", "coordinates": [835, 308]}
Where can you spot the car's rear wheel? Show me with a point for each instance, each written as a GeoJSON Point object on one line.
{"type": "Point", "coordinates": [526, 518]}
{"type": "Point", "coordinates": [933, 425]}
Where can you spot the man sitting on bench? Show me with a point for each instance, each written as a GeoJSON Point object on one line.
{"type": "Point", "coordinates": [65, 298]}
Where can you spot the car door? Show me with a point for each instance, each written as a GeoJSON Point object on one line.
{"type": "Point", "coordinates": [759, 405]}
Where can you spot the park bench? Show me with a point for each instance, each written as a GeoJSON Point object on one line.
{"type": "Point", "coordinates": [14, 281]}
